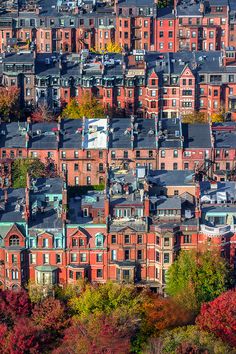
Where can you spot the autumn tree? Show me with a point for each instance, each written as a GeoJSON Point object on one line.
{"type": "Point", "coordinates": [9, 103]}
{"type": "Point", "coordinates": [194, 117]}
{"type": "Point", "coordinates": [21, 167]}
{"type": "Point", "coordinates": [164, 313]}
{"type": "Point", "coordinates": [42, 114]}
{"type": "Point", "coordinates": [88, 107]}
{"type": "Point", "coordinates": [219, 317]}
{"type": "Point", "coordinates": [195, 278]}
{"type": "Point", "coordinates": [183, 340]}
{"type": "Point", "coordinates": [13, 305]}
{"type": "Point", "coordinates": [111, 47]}
{"type": "Point", "coordinates": [49, 314]}
{"type": "Point", "coordinates": [97, 335]}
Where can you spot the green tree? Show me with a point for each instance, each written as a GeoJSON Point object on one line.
{"type": "Point", "coordinates": [89, 107]}
{"type": "Point", "coordinates": [188, 339]}
{"type": "Point", "coordinates": [196, 277]}
{"type": "Point", "coordinates": [20, 169]}
{"type": "Point", "coordinates": [107, 298]}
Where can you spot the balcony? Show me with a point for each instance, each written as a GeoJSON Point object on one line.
{"type": "Point", "coordinates": [216, 231]}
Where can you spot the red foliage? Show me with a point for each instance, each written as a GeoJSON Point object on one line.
{"type": "Point", "coordinates": [219, 317]}
{"type": "Point", "coordinates": [25, 338]}
{"type": "Point", "coordinates": [165, 313]}
{"type": "Point", "coordinates": [13, 304]}
{"type": "Point", "coordinates": [97, 336]}
{"type": "Point", "coordinates": [42, 114]}
{"type": "Point", "coordinates": [49, 315]}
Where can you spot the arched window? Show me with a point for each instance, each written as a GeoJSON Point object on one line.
{"type": "Point", "coordinates": [14, 240]}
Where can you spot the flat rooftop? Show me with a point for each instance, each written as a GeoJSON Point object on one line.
{"type": "Point", "coordinates": [95, 134]}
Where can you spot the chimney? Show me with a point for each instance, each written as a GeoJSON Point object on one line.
{"type": "Point", "coordinates": [197, 213]}
{"type": "Point", "coordinates": [29, 119]}
{"type": "Point", "coordinates": [27, 206]}
{"type": "Point", "coordinates": [146, 206]}
{"type": "Point", "coordinates": [5, 196]}
{"type": "Point", "coordinates": [106, 207]}
{"type": "Point", "coordinates": [202, 8]}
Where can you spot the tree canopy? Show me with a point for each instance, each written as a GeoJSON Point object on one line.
{"type": "Point", "coordinates": [196, 277]}
{"type": "Point", "coordinates": [21, 167]}
{"type": "Point", "coordinates": [219, 317]}
{"type": "Point", "coordinates": [9, 103]}
{"type": "Point", "coordinates": [89, 107]}
{"type": "Point", "coordinates": [194, 118]}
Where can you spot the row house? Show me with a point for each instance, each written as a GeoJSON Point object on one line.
{"type": "Point", "coordinates": [188, 25]}
{"type": "Point", "coordinates": [85, 149]}
{"type": "Point", "coordinates": [147, 84]}
{"type": "Point", "coordinates": [131, 232]}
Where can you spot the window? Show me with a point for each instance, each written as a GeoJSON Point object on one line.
{"type": "Point", "coordinates": [32, 258]}
{"type": "Point", "coordinates": [127, 239]}
{"type": "Point", "coordinates": [74, 242]}
{"type": "Point", "coordinates": [83, 257]}
{"type": "Point", "coordinates": [88, 166]}
{"type": "Point", "coordinates": [166, 258]}
{"type": "Point", "coordinates": [78, 275]}
{"type": "Point", "coordinates": [99, 273]}
{"type": "Point", "coordinates": [14, 241]}
{"type": "Point", "coordinates": [175, 153]}
{"type": "Point", "coordinates": [76, 181]}
{"type": "Point", "coordinates": [187, 238]}
{"type": "Point", "coordinates": [157, 256]}
{"type": "Point", "coordinates": [138, 153]}
{"type": "Point", "coordinates": [126, 154]}
{"type": "Point", "coordinates": [166, 241]}
{"type": "Point", "coordinates": [88, 179]}
{"type": "Point", "coordinates": [162, 166]}
{"type": "Point", "coordinates": [81, 242]}
{"type": "Point", "coordinates": [14, 258]}
{"type": "Point", "coordinates": [73, 257]}
{"type": "Point", "coordinates": [100, 154]}
{"type": "Point", "coordinates": [186, 165]}
{"type": "Point", "coordinates": [14, 274]}
{"type": "Point", "coordinates": [113, 255]}
{"type": "Point", "coordinates": [113, 239]}
{"type": "Point", "coordinates": [99, 240]}
{"type": "Point", "coordinates": [163, 153]}
{"type": "Point", "coordinates": [175, 166]}
{"type": "Point", "coordinates": [113, 154]}
{"type": "Point", "coordinates": [58, 258]}
{"type": "Point", "coordinates": [45, 242]}
{"type": "Point", "coordinates": [45, 258]}
{"type": "Point", "coordinates": [127, 255]}
{"type": "Point", "coordinates": [71, 274]}
{"type": "Point", "coordinates": [140, 239]}
{"type": "Point", "coordinates": [88, 154]}
{"type": "Point", "coordinates": [99, 257]}
{"type": "Point", "coordinates": [139, 255]}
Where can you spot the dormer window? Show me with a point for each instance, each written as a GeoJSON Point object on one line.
{"type": "Point", "coordinates": [99, 240]}
{"type": "Point", "coordinates": [14, 241]}
{"type": "Point", "coordinates": [45, 242]}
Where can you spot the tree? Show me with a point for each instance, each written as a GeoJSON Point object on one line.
{"type": "Point", "coordinates": [111, 47]}
{"type": "Point", "coordinates": [194, 118]}
{"type": "Point", "coordinates": [183, 340]}
{"type": "Point", "coordinates": [196, 277]}
{"type": "Point", "coordinates": [97, 335]}
{"type": "Point", "coordinates": [89, 107]}
{"type": "Point", "coordinates": [219, 317]}
{"type": "Point", "coordinates": [21, 167]}
{"type": "Point", "coordinates": [164, 313]}
{"type": "Point", "coordinates": [42, 114]}
{"type": "Point", "coordinates": [120, 300]}
{"type": "Point", "coordinates": [49, 315]}
{"type": "Point", "coordinates": [13, 305]}
{"type": "Point", "coordinates": [9, 103]}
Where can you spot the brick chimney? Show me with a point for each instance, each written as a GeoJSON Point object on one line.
{"type": "Point", "coordinates": [146, 206]}
{"type": "Point", "coordinates": [106, 207]}
{"type": "Point", "coordinates": [27, 203]}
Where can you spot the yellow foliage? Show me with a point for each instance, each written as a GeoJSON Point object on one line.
{"type": "Point", "coordinates": [217, 118]}
{"type": "Point", "coordinates": [194, 118]}
{"type": "Point", "coordinates": [111, 47]}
